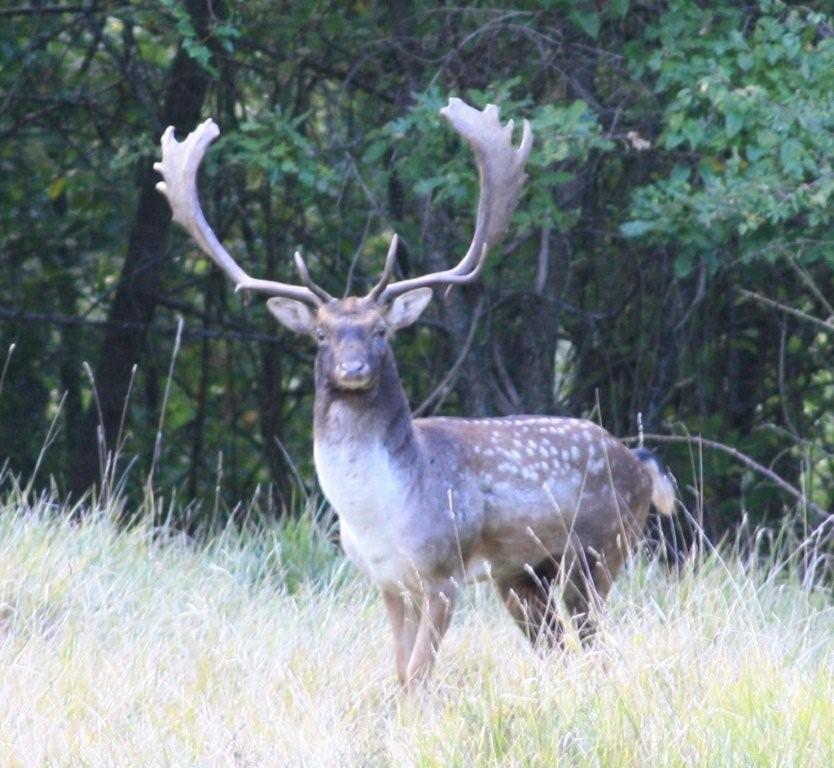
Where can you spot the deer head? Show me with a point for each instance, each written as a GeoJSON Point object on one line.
{"type": "Point", "coordinates": [353, 333]}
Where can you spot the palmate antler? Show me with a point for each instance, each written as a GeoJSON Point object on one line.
{"type": "Point", "coordinates": [179, 166]}
{"type": "Point", "coordinates": [501, 171]}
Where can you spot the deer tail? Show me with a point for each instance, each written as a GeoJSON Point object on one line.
{"type": "Point", "coordinates": [663, 483]}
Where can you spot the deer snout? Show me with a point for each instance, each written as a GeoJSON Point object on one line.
{"type": "Point", "coordinates": [353, 373]}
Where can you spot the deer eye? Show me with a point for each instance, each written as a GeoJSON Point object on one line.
{"type": "Point", "coordinates": [379, 331]}
{"type": "Point", "coordinates": [320, 335]}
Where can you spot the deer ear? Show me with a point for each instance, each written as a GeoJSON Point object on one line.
{"type": "Point", "coordinates": [405, 309]}
{"type": "Point", "coordinates": [293, 314]}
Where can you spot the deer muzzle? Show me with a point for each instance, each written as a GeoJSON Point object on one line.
{"type": "Point", "coordinates": [353, 374]}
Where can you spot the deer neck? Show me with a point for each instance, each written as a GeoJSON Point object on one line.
{"type": "Point", "coordinates": [379, 419]}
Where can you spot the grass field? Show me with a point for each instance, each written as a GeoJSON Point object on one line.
{"type": "Point", "coordinates": [143, 648]}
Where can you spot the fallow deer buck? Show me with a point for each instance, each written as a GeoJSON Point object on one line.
{"type": "Point", "coordinates": [427, 504]}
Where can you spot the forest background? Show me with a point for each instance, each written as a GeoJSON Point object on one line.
{"type": "Point", "coordinates": [671, 255]}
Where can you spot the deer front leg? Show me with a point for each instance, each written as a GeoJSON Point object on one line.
{"type": "Point", "coordinates": [404, 617]}
{"type": "Point", "coordinates": [435, 616]}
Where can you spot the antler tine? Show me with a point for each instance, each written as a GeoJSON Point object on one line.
{"type": "Point", "coordinates": [502, 176]}
{"type": "Point", "coordinates": [388, 270]}
{"type": "Point", "coordinates": [304, 274]}
{"type": "Point", "coordinates": [179, 165]}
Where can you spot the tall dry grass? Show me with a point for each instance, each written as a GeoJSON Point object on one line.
{"type": "Point", "coordinates": [141, 647]}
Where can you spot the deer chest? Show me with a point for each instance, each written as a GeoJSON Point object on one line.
{"type": "Point", "coordinates": [372, 499]}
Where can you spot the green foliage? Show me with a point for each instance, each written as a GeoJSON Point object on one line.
{"type": "Point", "coordinates": [566, 135]}
{"type": "Point", "coordinates": [190, 40]}
{"type": "Point", "coordinates": [682, 152]}
{"type": "Point", "coordinates": [289, 161]}
{"type": "Point", "coordinates": [749, 128]}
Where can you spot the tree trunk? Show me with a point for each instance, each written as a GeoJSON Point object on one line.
{"type": "Point", "coordinates": [136, 295]}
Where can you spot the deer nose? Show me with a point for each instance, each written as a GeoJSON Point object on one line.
{"type": "Point", "coordinates": [353, 367]}
{"type": "Point", "coordinates": [353, 373]}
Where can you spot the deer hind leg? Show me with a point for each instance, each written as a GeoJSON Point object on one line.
{"type": "Point", "coordinates": [587, 583]}
{"type": "Point", "coordinates": [435, 615]}
{"type": "Point", "coordinates": [404, 617]}
{"type": "Point", "coordinates": [529, 599]}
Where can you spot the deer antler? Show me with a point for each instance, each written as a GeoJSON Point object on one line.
{"type": "Point", "coordinates": [501, 172]}
{"type": "Point", "coordinates": [179, 166]}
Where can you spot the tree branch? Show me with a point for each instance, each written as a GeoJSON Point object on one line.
{"type": "Point", "coordinates": [785, 308]}
{"type": "Point", "coordinates": [702, 442]}
{"type": "Point", "coordinates": [43, 10]}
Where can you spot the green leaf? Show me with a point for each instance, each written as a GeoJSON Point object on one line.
{"type": "Point", "coordinates": [733, 123]}
{"type": "Point", "coordinates": [620, 7]}
{"type": "Point", "coordinates": [693, 130]}
{"type": "Point", "coordinates": [790, 155]}
{"type": "Point", "coordinates": [587, 21]}
{"type": "Point", "coordinates": [375, 150]}
{"type": "Point", "coordinates": [56, 187]}
{"type": "Point", "coordinates": [426, 186]}
{"type": "Point", "coordinates": [636, 228]}
{"type": "Point", "coordinates": [684, 262]}
{"type": "Point", "coordinates": [680, 174]}
{"type": "Point", "coordinates": [575, 112]}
